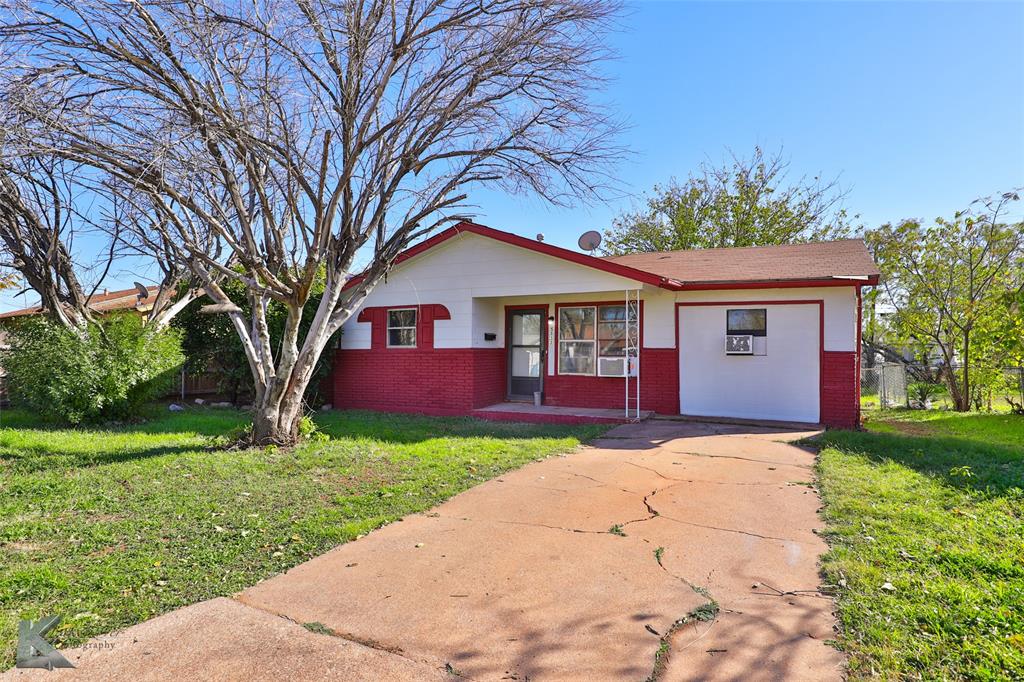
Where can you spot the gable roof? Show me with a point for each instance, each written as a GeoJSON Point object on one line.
{"type": "Point", "coordinates": [843, 261]}
{"type": "Point", "coordinates": [123, 299]}
{"type": "Point", "coordinates": [603, 264]}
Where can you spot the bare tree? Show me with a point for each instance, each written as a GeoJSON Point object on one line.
{"type": "Point", "coordinates": [38, 225]}
{"type": "Point", "coordinates": [34, 224]}
{"type": "Point", "coordinates": [279, 138]}
{"type": "Point", "coordinates": [46, 202]}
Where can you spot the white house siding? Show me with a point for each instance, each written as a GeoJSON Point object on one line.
{"type": "Point", "coordinates": [840, 308]}
{"type": "Point", "coordinates": [469, 267]}
{"type": "Point", "coordinates": [783, 384]}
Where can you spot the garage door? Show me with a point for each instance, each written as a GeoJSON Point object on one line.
{"type": "Point", "coordinates": [780, 381]}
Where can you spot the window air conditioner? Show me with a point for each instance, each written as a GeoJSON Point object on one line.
{"type": "Point", "coordinates": [611, 367]}
{"type": "Point", "coordinates": [739, 344]}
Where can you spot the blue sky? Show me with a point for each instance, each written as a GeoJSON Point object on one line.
{"type": "Point", "coordinates": [917, 107]}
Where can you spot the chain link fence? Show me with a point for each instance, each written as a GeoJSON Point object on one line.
{"type": "Point", "coordinates": [887, 385]}
{"type": "Point", "coordinates": [884, 385]}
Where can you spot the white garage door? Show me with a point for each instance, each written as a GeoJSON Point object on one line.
{"type": "Point", "coordinates": [781, 382]}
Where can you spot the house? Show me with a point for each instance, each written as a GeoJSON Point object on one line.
{"type": "Point", "coordinates": [105, 302]}
{"type": "Point", "coordinates": [475, 321]}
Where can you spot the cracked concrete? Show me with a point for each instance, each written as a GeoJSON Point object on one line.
{"type": "Point", "coordinates": [520, 578]}
{"type": "Point", "coordinates": [221, 639]}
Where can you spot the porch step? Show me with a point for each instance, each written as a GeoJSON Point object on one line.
{"type": "Point", "coordinates": [738, 421]}
{"type": "Point", "coordinates": [550, 414]}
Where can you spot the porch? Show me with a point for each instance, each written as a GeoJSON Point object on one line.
{"type": "Point", "coordinates": [580, 351]}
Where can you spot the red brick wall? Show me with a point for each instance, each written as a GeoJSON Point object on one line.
{"type": "Point", "coordinates": [659, 371]}
{"type": "Point", "coordinates": [429, 380]}
{"type": "Point", "coordinates": [422, 379]}
{"type": "Point", "coordinates": [659, 390]}
{"type": "Point", "coordinates": [488, 376]}
{"type": "Point", "coordinates": [840, 385]}
{"type": "Point", "coordinates": [454, 381]}
{"type": "Point", "coordinates": [458, 380]}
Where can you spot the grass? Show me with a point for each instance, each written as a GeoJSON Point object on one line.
{"type": "Point", "coordinates": [925, 516]}
{"type": "Point", "coordinates": [994, 429]}
{"type": "Point", "coordinates": [109, 527]}
{"type": "Point", "coordinates": [870, 402]}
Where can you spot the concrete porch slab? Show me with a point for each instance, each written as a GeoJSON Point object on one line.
{"type": "Point", "coordinates": [553, 414]}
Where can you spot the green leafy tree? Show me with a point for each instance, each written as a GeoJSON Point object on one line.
{"type": "Point", "coordinates": [211, 343]}
{"type": "Point", "coordinates": [744, 202]}
{"type": "Point", "coordinates": [956, 286]}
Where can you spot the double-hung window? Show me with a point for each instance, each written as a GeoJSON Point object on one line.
{"type": "Point", "coordinates": [576, 340]}
{"type": "Point", "coordinates": [611, 340]}
{"type": "Point", "coordinates": [402, 328]}
{"type": "Point", "coordinates": [592, 340]}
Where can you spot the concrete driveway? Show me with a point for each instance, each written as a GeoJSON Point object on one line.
{"type": "Point", "coordinates": [676, 550]}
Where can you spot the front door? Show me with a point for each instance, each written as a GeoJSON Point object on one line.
{"type": "Point", "coordinates": [525, 343]}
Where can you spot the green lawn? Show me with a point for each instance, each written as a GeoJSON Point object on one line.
{"type": "Point", "coordinates": [925, 517]}
{"type": "Point", "coordinates": [112, 526]}
{"type": "Point", "coordinates": [871, 404]}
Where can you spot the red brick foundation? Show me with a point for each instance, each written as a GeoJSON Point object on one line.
{"type": "Point", "coordinates": [659, 386]}
{"type": "Point", "coordinates": [456, 381]}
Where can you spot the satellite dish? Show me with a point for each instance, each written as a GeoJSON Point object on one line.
{"type": "Point", "coordinates": [540, 236]}
{"type": "Point", "coordinates": [590, 240]}
{"type": "Point", "coordinates": [143, 291]}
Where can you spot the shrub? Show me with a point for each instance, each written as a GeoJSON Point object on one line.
{"type": "Point", "coordinates": [923, 392]}
{"type": "Point", "coordinates": [106, 372]}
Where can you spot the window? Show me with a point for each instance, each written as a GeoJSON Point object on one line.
{"type": "Point", "coordinates": [751, 321]}
{"type": "Point", "coordinates": [611, 341]}
{"type": "Point", "coordinates": [402, 328]}
{"type": "Point", "coordinates": [576, 343]}
{"type": "Point", "coordinates": [592, 340]}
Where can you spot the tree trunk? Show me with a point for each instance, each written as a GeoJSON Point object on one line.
{"type": "Point", "coordinates": [278, 409]}
{"type": "Point", "coordinates": [952, 384]}
{"type": "Point", "coordinates": [276, 417]}
{"type": "Point", "coordinates": [272, 425]}
{"type": "Point", "coordinates": [965, 404]}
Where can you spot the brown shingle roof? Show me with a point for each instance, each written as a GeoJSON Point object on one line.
{"type": "Point", "coordinates": [812, 261]}
{"type": "Point", "coordinates": [103, 303]}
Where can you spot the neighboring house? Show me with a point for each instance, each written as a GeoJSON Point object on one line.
{"type": "Point", "coordinates": [108, 301]}
{"type": "Point", "coordinates": [475, 317]}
